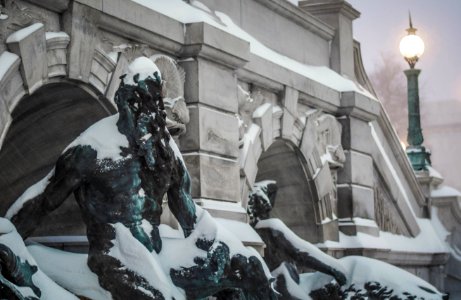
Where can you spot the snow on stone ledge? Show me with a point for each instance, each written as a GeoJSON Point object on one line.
{"type": "Point", "coordinates": [445, 191]}
{"type": "Point", "coordinates": [23, 33]}
{"type": "Point", "coordinates": [7, 59]}
{"type": "Point", "coordinates": [52, 35]}
{"type": "Point", "coordinates": [197, 12]}
{"type": "Point", "coordinates": [428, 241]}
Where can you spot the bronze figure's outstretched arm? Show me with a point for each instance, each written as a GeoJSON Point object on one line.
{"type": "Point", "coordinates": [60, 185]}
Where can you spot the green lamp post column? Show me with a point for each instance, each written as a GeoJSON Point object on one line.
{"type": "Point", "coordinates": [412, 47]}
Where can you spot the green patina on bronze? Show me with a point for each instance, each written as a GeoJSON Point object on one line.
{"type": "Point", "coordinates": [417, 153]}
{"type": "Point", "coordinates": [16, 273]}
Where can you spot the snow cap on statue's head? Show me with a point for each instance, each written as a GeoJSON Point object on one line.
{"type": "Point", "coordinates": [142, 66]}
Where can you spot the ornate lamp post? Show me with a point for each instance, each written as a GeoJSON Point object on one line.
{"type": "Point", "coordinates": [412, 47]}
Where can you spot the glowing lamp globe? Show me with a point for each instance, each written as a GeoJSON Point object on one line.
{"type": "Point", "coordinates": [411, 46]}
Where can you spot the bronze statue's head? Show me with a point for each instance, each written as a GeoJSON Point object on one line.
{"type": "Point", "coordinates": [160, 78]}
{"type": "Point", "coordinates": [261, 200]}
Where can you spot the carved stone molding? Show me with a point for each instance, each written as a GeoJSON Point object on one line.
{"type": "Point", "coordinates": [387, 216]}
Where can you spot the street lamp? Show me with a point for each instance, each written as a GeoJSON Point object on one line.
{"type": "Point", "coordinates": [412, 47]}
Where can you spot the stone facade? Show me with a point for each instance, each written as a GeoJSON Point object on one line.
{"type": "Point", "coordinates": [281, 95]}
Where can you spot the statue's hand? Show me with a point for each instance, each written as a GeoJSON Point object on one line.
{"type": "Point", "coordinates": [339, 276]}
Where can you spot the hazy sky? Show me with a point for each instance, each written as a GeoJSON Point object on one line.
{"type": "Point", "coordinates": [383, 23]}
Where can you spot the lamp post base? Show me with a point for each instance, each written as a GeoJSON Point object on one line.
{"type": "Point", "coordinates": [420, 157]}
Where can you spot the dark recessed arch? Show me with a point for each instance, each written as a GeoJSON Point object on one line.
{"type": "Point", "coordinates": [295, 201]}
{"type": "Point", "coordinates": [44, 123]}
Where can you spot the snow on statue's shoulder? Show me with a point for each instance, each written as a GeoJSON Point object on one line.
{"type": "Point", "coordinates": [104, 137]}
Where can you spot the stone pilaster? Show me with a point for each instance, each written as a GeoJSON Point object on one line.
{"type": "Point", "coordinates": [211, 145]}
{"type": "Point", "coordinates": [356, 211]}
{"type": "Point", "coordinates": [339, 14]}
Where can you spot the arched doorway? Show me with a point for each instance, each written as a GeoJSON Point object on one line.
{"type": "Point", "coordinates": [295, 201]}
{"type": "Point", "coordinates": [44, 123]}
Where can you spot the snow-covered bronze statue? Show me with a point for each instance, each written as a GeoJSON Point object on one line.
{"type": "Point", "coordinates": [119, 170]}
{"type": "Point", "coordinates": [119, 182]}
{"type": "Point", "coordinates": [351, 277]}
{"type": "Point", "coordinates": [282, 245]}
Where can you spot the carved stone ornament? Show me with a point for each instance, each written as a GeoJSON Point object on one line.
{"type": "Point", "coordinates": [328, 131]}
{"type": "Point", "coordinates": [386, 214]}
{"type": "Point", "coordinates": [15, 16]}
{"type": "Point", "coordinates": [247, 104]}
{"type": "Point", "coordinates": [173, 77]}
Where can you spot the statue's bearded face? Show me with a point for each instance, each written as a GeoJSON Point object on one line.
{"type": "Point", "coordinates": [153, 93]}
{"type": "Point", "coordinates": [174, 111]}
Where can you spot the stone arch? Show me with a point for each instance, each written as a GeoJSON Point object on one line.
{"type": "Point", "coordinates": [315, 146]}
{"type": "Point", "coordinates": [62, 89]}
{"type": "Point", "coordinates": [296, 198]}
{"type": "Point", "coordinates": [36, 57]}
{"type": "Point", "coordinates": [43, 108]}
{"type": "Point", "coordinates": [43, 124]}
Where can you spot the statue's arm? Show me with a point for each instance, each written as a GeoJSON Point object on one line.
{"type": "Point", "coordinates": [180, 201]}
{"type": "Point", "coordinates": [307, 256]}
{"type": "Point", "coordinates": [29, 210]}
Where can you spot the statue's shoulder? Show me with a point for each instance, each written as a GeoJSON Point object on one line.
{"type": "Point", "coordinates": [103, 137]}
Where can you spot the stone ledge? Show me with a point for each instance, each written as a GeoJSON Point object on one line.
{"type": "Point", "coordinates": [399, 258]}
{"type": "Point", "coordinates": [360, 106]}
{"type": "Point", "coordinates": [351, 228]}
{"type": "Point", "coordinates": [204, 40]}
{"type": "Point", "coordinates": [223, 209]}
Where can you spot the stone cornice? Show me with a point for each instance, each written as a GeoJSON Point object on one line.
{"type": "Point", "coordinates": [300, 17]}
{"type": "Point", "coordinates": [398, 258]}
{"type": "Point", "coordinates": [359, 106]}
{"type": "Point", "coordinates": [325, 8]}
{"type": "Point", "coordinates": [359, 69]}
{"type": "Point", "coordinates": [204, 40]}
